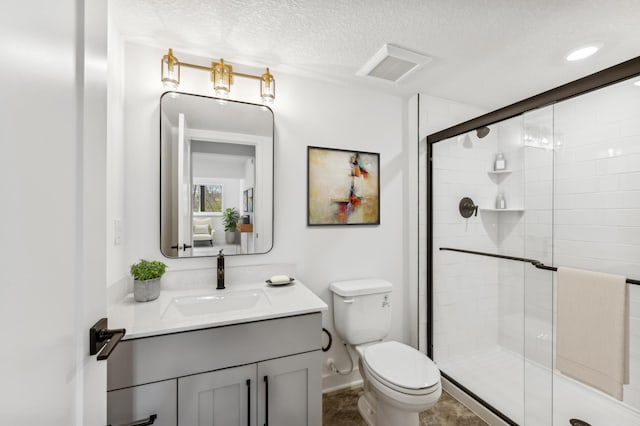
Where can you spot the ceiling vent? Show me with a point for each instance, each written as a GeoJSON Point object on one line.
{"type": "Point", "coordinates": [393, 63]}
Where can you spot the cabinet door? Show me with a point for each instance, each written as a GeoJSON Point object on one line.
{"type": "Point", "coordinates": [137, 403]}
{"type": "Point", "coordinates": [289, 391]}
{"type": "Point", "coordinates": [219, 398]}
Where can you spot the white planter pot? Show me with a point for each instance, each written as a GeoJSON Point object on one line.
{"type": "Point", "coordinates": [230, 237]}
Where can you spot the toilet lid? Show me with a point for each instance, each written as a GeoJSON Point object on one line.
{"type": "Point", "coordinates": [401, 365]}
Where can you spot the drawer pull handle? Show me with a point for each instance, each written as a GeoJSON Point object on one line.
{"type": "Point", "coordinates": [248, 402]}
{"type": "Point", "coordinates": [151, 420]}
{"type": "Point", "coordinates": [266, 400]}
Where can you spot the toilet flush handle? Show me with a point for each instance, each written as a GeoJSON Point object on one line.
{"type": "Point", "coordinates": [348, 301]}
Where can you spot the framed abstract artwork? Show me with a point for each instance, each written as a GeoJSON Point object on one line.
{"type": "Point", "coordinates": [245, 201]}
{"type": "Point", "coordinates": [343, 187]}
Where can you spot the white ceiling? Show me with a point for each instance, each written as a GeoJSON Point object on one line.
{"type": "Point", "coordinates": [487, 53]}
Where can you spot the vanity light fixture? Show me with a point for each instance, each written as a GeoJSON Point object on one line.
{"type": "Point", "coordinates": [221, 75]}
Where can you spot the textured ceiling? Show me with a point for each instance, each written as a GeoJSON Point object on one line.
{"type": "Point", "coordinates": [487, 53]}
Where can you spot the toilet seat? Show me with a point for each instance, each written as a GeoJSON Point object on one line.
{"type": "Point", "coordinates": [401, 368]}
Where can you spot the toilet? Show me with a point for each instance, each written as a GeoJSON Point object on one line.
{"type": "Point", "coordinates": [399, 381]}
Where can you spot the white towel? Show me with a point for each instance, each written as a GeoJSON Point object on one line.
{"type": "Point", "coordinates": [592, 330]}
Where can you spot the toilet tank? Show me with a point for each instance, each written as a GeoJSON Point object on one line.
{"type": "Point", "coordinates": [362, 309]}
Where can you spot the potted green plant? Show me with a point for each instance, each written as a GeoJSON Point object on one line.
{"type": "Point", "coordinates": [146, 279]}
{"type": "Point", "coordinates": [230, 221]}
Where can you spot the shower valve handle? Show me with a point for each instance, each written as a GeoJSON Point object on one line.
{"type": "Point", "coordinates": [467, 208]}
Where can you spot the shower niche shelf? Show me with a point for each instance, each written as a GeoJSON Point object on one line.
{"type": "Point", "coordinates": [499, 172]}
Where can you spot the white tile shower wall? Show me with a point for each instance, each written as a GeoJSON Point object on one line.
{"type": "Point", "coordinates": [466, 286]}
{"type": "Point", "coordinates": [510, 234]}
{"type": "Point", "coordinates": [597, 195]}
{"type": "Point", "coordinates": [527, 325]}
{"type": "Point", "coordinates": [435, 114]}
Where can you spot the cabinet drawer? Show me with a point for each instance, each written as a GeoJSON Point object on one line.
{"type": "Point", "coordinates": [151, 359]}
{"type": "Point", "coordinates": [125, 406]}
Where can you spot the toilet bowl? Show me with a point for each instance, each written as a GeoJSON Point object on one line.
{"type": "Point", "coordinates": [399, 381]}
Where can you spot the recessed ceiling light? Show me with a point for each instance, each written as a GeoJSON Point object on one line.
{"type": "Point", "coordinates": [637, 83]}
{"type": "Point", "coordinates": [581, 53]}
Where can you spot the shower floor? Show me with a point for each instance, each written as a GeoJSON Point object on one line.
{"type": "Point", "coordinates": [500, 376]}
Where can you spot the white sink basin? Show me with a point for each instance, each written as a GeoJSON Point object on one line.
{"type": "Point", "coordinates": [215, 303]}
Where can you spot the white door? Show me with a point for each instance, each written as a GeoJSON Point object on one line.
{"type": "Point", "coordinates": [52, 220]}
{"type": "Point", "coordinates": [220, 398]}
{"type": "Point", "coordinates": [185, 234]}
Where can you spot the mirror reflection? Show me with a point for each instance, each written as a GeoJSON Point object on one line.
{"type": "Point", "coordinates": [216, 176]}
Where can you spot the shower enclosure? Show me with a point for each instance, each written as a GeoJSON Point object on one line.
{"type": "Point", "coordinates": [568, 195]}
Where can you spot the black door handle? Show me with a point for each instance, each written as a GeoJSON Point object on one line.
{"type": "Point", "coordinates": [101, 337]}
{"type": "Point", "coordinates": [151, 420]}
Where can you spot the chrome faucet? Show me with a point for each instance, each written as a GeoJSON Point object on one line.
{"type": "Point", "coordinates": [220, 271]}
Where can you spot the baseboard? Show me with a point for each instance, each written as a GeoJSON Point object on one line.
{"type": "Point", "coordinates": [336, 382]}
{"type": "Point", "coordinates": [478, 409]}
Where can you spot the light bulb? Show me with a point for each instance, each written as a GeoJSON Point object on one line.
{"type": "Point", "coordinates": [221, 92]}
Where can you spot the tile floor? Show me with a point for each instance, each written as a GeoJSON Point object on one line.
{"type": "Point", "coordinates": [340, 408]}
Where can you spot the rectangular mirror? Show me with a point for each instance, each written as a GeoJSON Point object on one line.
{"type": "Point", "coordinates": [216, 176]}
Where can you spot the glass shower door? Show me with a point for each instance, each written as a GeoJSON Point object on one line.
{"type": "Point", "coordinates": [492, 331]}
{"type": "Point", "coordinates": [597, 228]}
{"type": "Point", "coordinates": [539, 146]}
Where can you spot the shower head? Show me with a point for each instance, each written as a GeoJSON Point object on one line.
{"type": "Point", "coordinates": [483, 131]}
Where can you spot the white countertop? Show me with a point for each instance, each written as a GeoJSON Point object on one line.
{"type": "Point", "coordinates": [157, 317]}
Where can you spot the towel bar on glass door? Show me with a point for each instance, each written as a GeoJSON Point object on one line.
{"type": "Point", "coordinates": [534, 262]}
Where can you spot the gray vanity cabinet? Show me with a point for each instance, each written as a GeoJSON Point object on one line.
{"type": "Point", "coordinates": [292, 393]}
{"type": "Point", "coordinates": [202, 375]}
{"type": "Point", "coordinates": [289, 396]}
{"type": "Point", "coordinates": [137, 403]}
{"type": "Point", "coordinates": [224, 397]}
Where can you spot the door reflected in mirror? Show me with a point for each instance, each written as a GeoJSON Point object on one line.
{"type": "Point", "coordinates": [216, 176]}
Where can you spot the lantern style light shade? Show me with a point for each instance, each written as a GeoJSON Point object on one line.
{"type": "Point", "coordinates": [170, 71]}
{"type": "Point", "coordinates": [221, 77]}
{"type": "Point", "coordinates": [267, 87]}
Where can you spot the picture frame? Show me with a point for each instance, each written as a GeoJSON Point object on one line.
{"type": "Point", "coordinates": [245, 199]}
{"type": "Point", "coordinates": [343, 187]}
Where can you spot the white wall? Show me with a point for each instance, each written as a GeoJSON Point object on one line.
{"type": "Point", "coordinates": [115, 154]}
{"type": "Point", "coordinates": [306, 112]}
